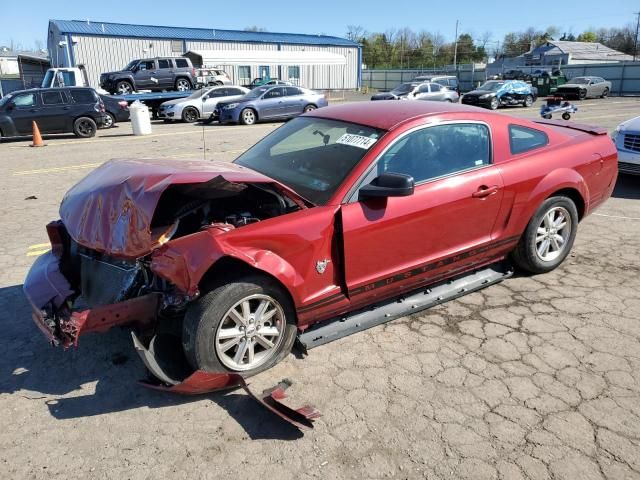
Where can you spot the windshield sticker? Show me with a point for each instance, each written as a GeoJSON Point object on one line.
{"type": "Point", "coordinates": [356, 141]}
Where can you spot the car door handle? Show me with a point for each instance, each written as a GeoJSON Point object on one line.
{"type": "Point", "coordinates": [33, 110]}
{"type": "Point", "coordinates": [484, 191]}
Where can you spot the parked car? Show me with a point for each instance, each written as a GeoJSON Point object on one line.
{"type": "Point", "coordinates": [585, 87]}
{"type": "Point", "coordinates": [270, 103]}
{"type": "Point", "coordinates": [160, 73]}
{"type": "Point", "coordinates": [206, 77]}
{"type": "Point", "coordinates": [116, 109]}
{"type": "Point", "coordinates": [627, 139]}
{"type": "Point", "coordinates": [449, 81]}
{"type": "Point", "coordinates": [433, 92]}
{"type": "Point", "coordinates": [201, 104]}
{"type": "Point", "coordinates": [56, 110]}
{"type": "Point", "coordinates": [515, 75]}
{"type": "Point", "coordinates": [497, 93]}
{"type": "Point", "coordinates": [343, 218]}
{"type": "Point", "coordinates": [262, 82]}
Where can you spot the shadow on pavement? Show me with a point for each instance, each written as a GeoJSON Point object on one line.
{"type": "Point", "coordinates": [35, 370]}
{"type": "Point", "coordinates": [627, 186]}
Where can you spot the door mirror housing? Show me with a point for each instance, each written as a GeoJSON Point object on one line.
{"type": "Point", "coordinates": [205, 98]}
{"type": "Point", "coordinates": [389, 185]}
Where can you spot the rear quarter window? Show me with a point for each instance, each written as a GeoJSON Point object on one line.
{"type": "Point", "coordinates": [181, 63]}
{"type": "Point", "coordinates": [83, 96]}
{"type": "Point", "coordinates": [524, 139]}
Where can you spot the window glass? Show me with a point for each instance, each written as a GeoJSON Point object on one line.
{"type": "Point", "coordinates": [181, 63]}
{"type": "Point", "coordinates": [436, 151]}
{"type": "Point", "coordinates": [523, 139]}
{"type": "Point", "coordinates": [311, 155]}
{"type": "Point", "coordinates": [435, 87]}
{"type": "Point", "coordinates": [83, 96]}
{"type": "Point", "coordinates": [147, 65]}
{"type": "Point", "coordinates": [274, 93]}
{"type": "Point", "coordinates": [24, 100]}
{"type": "Point", "coordinates": [294, 72]}
{"type": "Point", "coordinates": [164, 63]}
{"type": "Point", "coordinates": [424, 88]}
{"type": "Point", "coordinates": [52, 98]}
{"type": "Point", "coordinates": [244, 74]}
{"type": "Point", "coordinates": [293, 91]}
{"type": "Point", "coordinates": [235, 91]}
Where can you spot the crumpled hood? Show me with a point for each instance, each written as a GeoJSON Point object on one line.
{"type": "Point", "coordinates": [111, 209]}
{"type": "Point", "coordinates": [479, 93]}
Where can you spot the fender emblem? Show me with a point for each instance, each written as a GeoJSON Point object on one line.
{"type": "Point", "coordinates": [321, 265]}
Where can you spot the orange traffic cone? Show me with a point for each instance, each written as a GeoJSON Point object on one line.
{"type": "Point", "coordinates": [37, 138]}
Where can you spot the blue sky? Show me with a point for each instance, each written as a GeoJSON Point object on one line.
{"type": "Point", "coordinates": [24, 23]}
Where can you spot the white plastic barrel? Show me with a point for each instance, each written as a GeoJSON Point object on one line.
{"type": "Point", "coordinates": [140, 121]}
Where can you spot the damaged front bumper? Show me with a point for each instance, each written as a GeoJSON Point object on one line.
{"type": "Point", "coordinates": [51, 298]}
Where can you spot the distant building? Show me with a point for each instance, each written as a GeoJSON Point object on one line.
{"type": "Point", "coordinates": [560, 52]}
{"type": "Point", "coordinates": [313, 61]}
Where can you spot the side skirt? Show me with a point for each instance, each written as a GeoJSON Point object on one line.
{"type": "Point", "coordinates": [422, 299]}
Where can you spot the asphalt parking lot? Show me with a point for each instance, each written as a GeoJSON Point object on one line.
{"type": "Point", "coordinates": [535, 378]}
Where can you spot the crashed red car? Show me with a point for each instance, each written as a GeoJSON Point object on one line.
{"type": "Point", "coordinates": [341, 219]}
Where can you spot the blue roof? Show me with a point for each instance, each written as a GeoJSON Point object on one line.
{"type": "Point", "coordinates": [148, 31]}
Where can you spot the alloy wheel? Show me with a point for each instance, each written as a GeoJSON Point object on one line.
{"type": "Point", "coordinates": [250, 333]}
{"type": "Point", "coordinates": [552, 234]}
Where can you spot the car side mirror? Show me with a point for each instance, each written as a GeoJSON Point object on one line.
{"type": "Point", "coordinates": [389, 185]}
{"type": "Point", "coordinates": [205, 98]}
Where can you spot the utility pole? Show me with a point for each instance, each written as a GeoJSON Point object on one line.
{"type": "Point", "coordinates": [635, 39]}
{"type": "Point", "coordinates": [455, 49]}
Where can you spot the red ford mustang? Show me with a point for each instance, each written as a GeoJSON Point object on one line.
{"type": "Point", "coordinates": [341, 219]}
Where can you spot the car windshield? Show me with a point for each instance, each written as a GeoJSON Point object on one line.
{"type": "Point", "coordinates": [256, 92]}
{"type": "Point", "coordinates": [131, 65]}
{"type": "Point", "coordinates": [199, 93]}
{"type": "Point", "coordinates": [404, 88]}
{"type": "Point", "coordinates": [491, 86]}
{"type": "Point", "coordinates": [312, 156]}
{"type": "Point", "coordinates": [580, 80]}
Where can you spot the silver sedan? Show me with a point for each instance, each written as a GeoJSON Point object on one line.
{"type": "Point", "coordinates": [434, 92]}
{"type": "Point", "coordinates": [201, 105]}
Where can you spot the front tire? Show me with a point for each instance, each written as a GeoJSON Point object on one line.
{"type": "Point", "coordinates": [84, 127]}
{"type": "Point", "coordinates": [528, 101]}
{"type": "Point", "coordinates": [310, 108]}
{"type": "Point", "coordinates": [190, 115]}
{"type": "Point", "coordinates": [566, 116]}
{"type": "Point", "coordinates": [494, 103]}
{"type": "Point", "coordinates": [582, 94]}
{"type": "Point", "coordinates": [124, 88]}
{"type": "Point", "coordinates": [549, 236]}
{"type": "Point", "coordinates": [248, 116]}
{"type": "Point", "coordinates": [245, 326]}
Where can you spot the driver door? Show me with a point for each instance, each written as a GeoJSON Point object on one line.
{"type": "Point", "coordinates": [272, 103]}
{"type": "Point", "coordinates": [146, 75]}
{"type": "Point", "coordinates": [397, 243]}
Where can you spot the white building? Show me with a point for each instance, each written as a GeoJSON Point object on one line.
{"type": "Point", "coordinates": [316, 61]}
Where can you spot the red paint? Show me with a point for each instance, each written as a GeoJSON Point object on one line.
{"type": "Point", "coordinates": [390, 246]}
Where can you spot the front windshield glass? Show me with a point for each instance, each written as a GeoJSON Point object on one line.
{"type": "Point", "coordinates": [256, 92]}
{"type": "Point", "coordinates": [130, 65]}
{"type": "Point", "coordinates": [312, 156]}
{"type": "Point", "coordinates": [580, 80]}
{"type": "Point", "coordinates": [491, 86]}
{"type": "Point", "coordinates": [199, 93]}
{"type": "Point", "coordinates": [48, 78]}
{"type": "Point", "coordinates": [5, 100]}
{"type": "Point", "coordinates": [402, 89]}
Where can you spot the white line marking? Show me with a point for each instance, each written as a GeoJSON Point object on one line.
{"type": "Point", "coordinates": [615, 216]}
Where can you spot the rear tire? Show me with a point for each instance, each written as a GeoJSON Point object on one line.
{"type": "Point", "coordinates": [549, 236]}
{"type": "Point", "coordinates": [182, 85]}
{"type": "Point", "coordinates": [84, 127]}
{"type": "Point", "coordinates": [566, 116]}
{"type": "Point", "coordinates": [110, 120]}
{"type": "Point", "coordinates": [309, 108]}
{"type": "Point", "coordinates": [220, 331]}
{"type": "Point", "coordinates": [190, 115]}
{"type": "Point", "coordinates": [605, 94]}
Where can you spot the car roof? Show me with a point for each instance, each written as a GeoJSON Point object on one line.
{"type": "Point", "coordinates": [52, 89]}
{"type": "Point", "coordinates": [387, 115]}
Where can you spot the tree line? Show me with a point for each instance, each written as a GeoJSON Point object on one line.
{"type": "Point", "coordinates": [405, 48]}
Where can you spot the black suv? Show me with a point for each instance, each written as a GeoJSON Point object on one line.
{"type": "Point", "coordinates": [162, 73]}
{"type": "Point", "coordinates": [55, 110]}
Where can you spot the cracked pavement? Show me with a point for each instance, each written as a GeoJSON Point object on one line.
{"type": "Point", "coordinates": [537, 377]}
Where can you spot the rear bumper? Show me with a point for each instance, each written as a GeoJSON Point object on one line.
{"type": "Point", "coordinates": [52, 297]}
